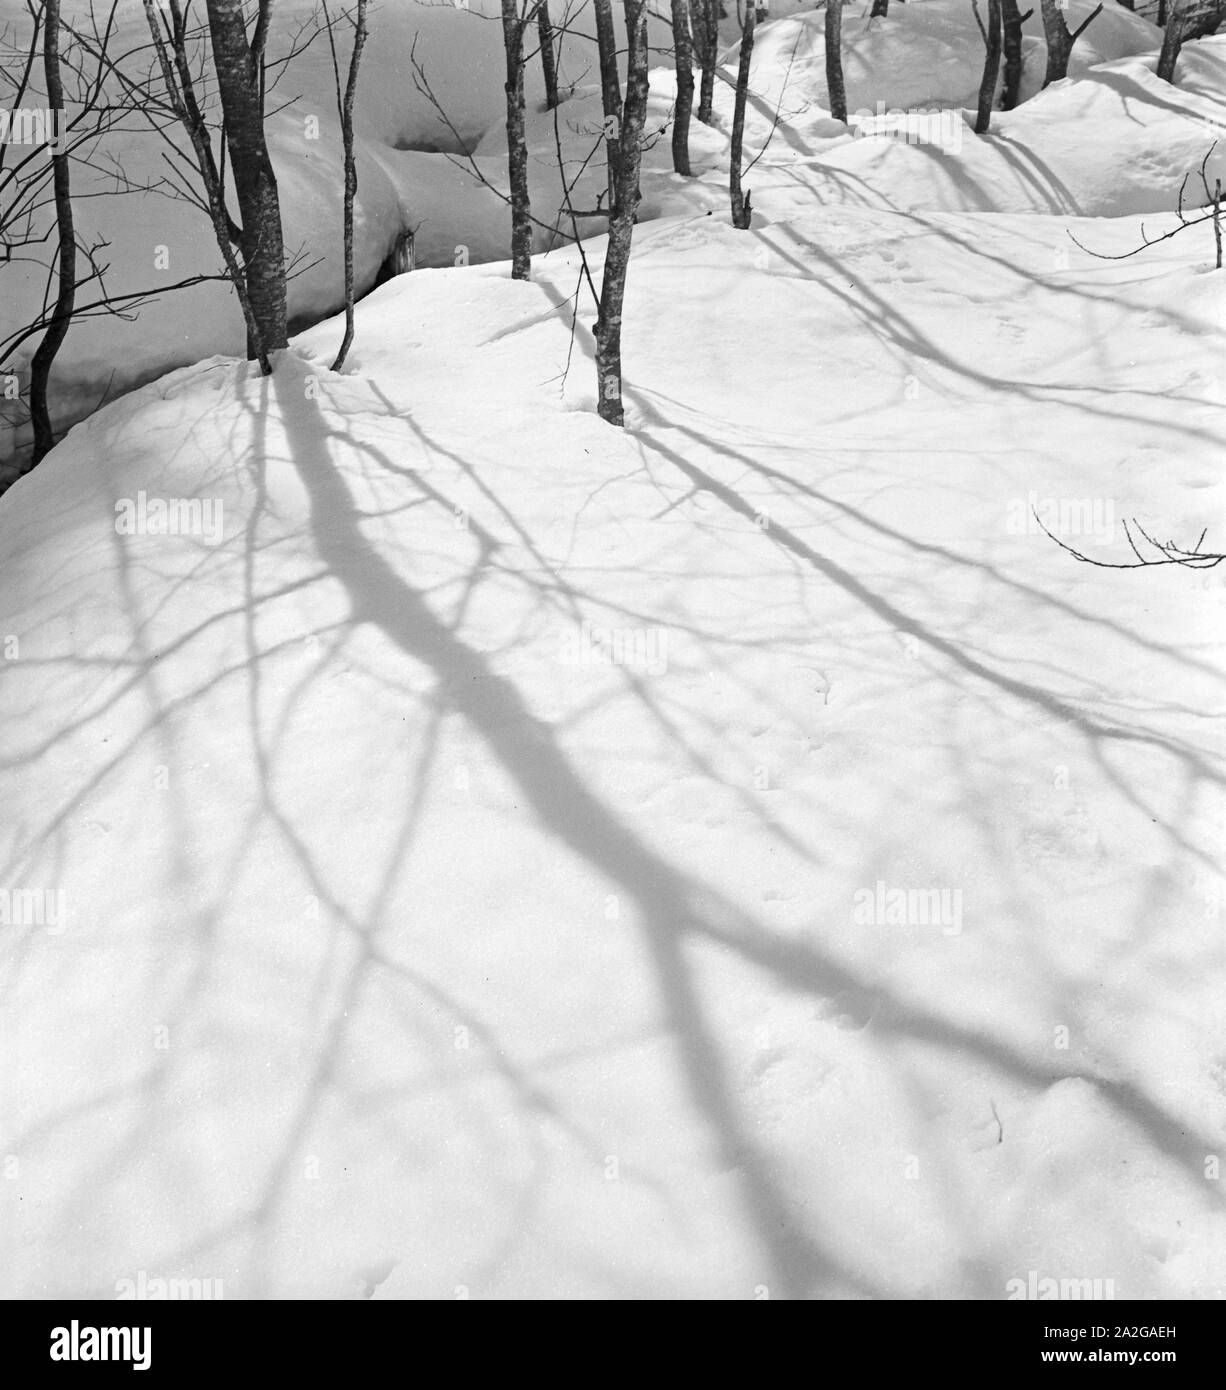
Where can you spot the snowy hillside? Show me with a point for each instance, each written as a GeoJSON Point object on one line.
{"type": "Point", "coordinates": [415, 173]}
{"type": "Point", "coordinates": [502, 856]}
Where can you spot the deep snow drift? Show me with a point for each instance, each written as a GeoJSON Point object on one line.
{"type": "Point", "coordinates": [473, 867]}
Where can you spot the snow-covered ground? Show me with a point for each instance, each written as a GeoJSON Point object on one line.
{"type": "Point", "coordinates": [414, 173]}
{"type": "Point", "coordinates": [739, 856]}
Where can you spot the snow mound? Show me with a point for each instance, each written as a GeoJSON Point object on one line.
{"type": "Point", "coordinates": [472, 868]}
{"type": "Point", "coordinates": [923, 53]}
{"type": "Point", "coordinates": [414, 173]}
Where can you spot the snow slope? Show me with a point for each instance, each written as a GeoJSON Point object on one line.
{"type": "Point", "coordinates": [412, 173]}
{"type": "Point", "coordinates": [919, 54]}
{"type": "Point", "coordinates": [472, 863]}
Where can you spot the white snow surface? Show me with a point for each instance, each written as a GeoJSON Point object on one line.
{"type": "Point", "coordinates": [412, 947]}
{"type": "Point", "coordinates": [413, 172]}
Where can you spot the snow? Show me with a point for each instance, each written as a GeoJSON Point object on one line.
{"type": "Point", "coordinates": [414, 171]}
{"type": "Point", "coordinates": [412, 949]}
{"type": "Point", "coordinates": [928, 53]}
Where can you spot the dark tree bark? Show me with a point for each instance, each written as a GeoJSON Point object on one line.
{"type": "Point", "coordinates": [834, 60]}
{"type": "Point", "coordinates": [1189, 19]}
{"type": "Point", "coordinates": [881, 8]}
{"type": "Point", "coordinates": [517, 143]}
{"type": "Point", "coordinates": [742, 213]}
{"type": "Point", "coordinates": [705, 15]}
{"type": "Point", "coordinates": [610, 94]}
{"type": "Point", "coordinates": [1059, 39]}
{"type": "Point", "coordinates": [351, 171]}
{"type": "Point", "coordinates": [621, 223]}
{"type": "Point", "coordinates": [684, 63]}
{"type": "Point", "coordinates": [992, 38]}
{"type": "Point", "coordinates": [1012, 20]}
{"type": "Point", "coordinates": [549, 57]}
{"type": "Point", "coordinates": [66, 254]}
{"type": "Point", "coordinates": [240, 86]}
{"type": "Point", "coordinates": [1172, 42]}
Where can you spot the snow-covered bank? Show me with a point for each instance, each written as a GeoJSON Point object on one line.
{"type": "Point", "coordinates": [458, 849]}
{"type": "Point", "coordinates": [478, 864]}
{"type": "Point", "coordinates": [413, 176]}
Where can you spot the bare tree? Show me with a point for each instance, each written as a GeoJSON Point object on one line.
{"type": "Point", "coordinates": [238, 61]}
{"type": "Point", "coordinates": [683, 60]}
{"type": "Point", "coordinates": [66, 254]}
{"type": "Point", "coordinates": [1060, 39]}
{"type": "Point", "coordinates": [172, 44]}
{"type": "Point", "coordinates": [37, 194]}
{"type": "Point", "coordinates": [992, 38]}
{"type": "Point", "coordinates": [705, 18]}
{"type": "Point", "coordinates": [742, 213]}
{"type": "Point", "coordinates": [630, 128]}
{"type": "Point", "coordinates": [835, 88]}
{"type": "Point", "coordinates": [1189, 19]}
{"type": "Point", "coordinates": [517, 17]}
{"type": "Point", "coordinates": [345, 109]}
{"type": "Point", "coordinates": [513, 24]}
{"type": "Point", "coordinates": [1012, 20]}
{"type": "Point", "coordinates": [610, 92]}
{"type": "Point", "coordinates": [549, 57]}
{"type": "Point", "coordinates": [467, 162]}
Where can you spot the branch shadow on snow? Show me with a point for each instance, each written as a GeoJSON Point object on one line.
{"type": "Point", "coordinates": [681, 920]}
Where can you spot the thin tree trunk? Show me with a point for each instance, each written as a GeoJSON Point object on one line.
{"type": "Point", "coordinates": [549, 58]}
{"type": "Point", "coordinates": [683, 60]}
{"type": "Point", "coordinates": [835, 88]}
{"type": "Point", "coordinates": [610, 94]}
{"type": "Point", "coordinates": [517, 145]}
{"type": "Point", "coordinates": [1217, 220]}
{"type": "Point", "coordinates": [1171, 44]}
{"type": "Point", "coordinates": [621, 224]}
{"type": "Point", "coordinates": [177, 76]}
{"type": "Point", "coordinates": [991, 66]}
{"type": "Point", "coordinates": [351, 175]}
{"type": "Point", "coordinates": [706, 35]}
{"type": "Point", "coordinates": [262, 244]}
{"type": "Point", "coordinates": [742, 213]}
{"type": "Point", "coordinates": [1012, 20]}
{"type": "Point", "coordinates": [66, 253]}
